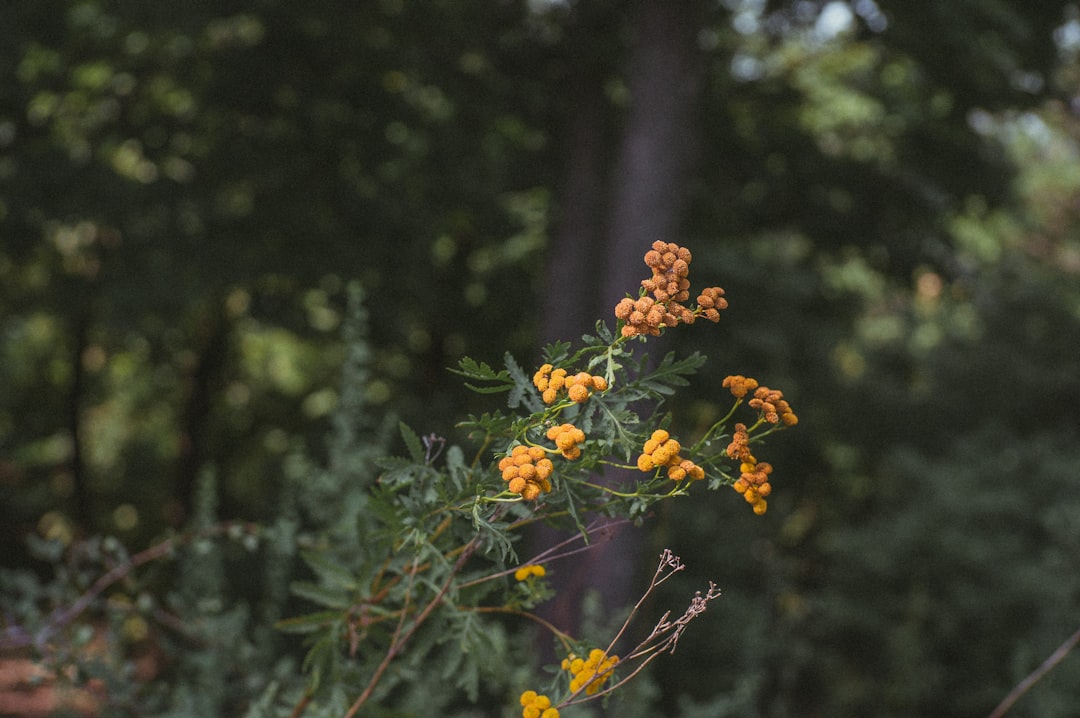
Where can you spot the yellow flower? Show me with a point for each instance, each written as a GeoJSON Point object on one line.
{"type": "Point", "coordinates": [591, 672]}
{"type": "Point", "coordinates": [524, 572]}
{"type": "Point", "coordinates": [537, 706]}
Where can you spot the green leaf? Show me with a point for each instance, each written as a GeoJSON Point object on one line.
{"type": "Point", "coordinates": [472, 369]}
{"type": "Point", "coordinates": [671, 373]}
{"type": "Point", "coordinates": [603, 332]}
{"type": "Point", "coordinates": [308, 623]}
{"type": "Point", "coordinates": [412, 442]}
{"type": "Point", "coordinates": [489, 422]}
{"type": "Point", "coordinates": [497, 537]}
{"type": "Point", "coordinates": [523, 390]}
{"type": "Point", "coordinates": [328, 571]}
{"type": "Point", "coordinates": [555, 353]}
{"type": "Point", "coordinates": [455, 465]}
{"type": "Point", "coordinates": [320, 595]}
{"type": "Point", "coordinates": [320, 660]}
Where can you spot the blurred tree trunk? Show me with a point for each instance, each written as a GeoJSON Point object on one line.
{"type": "Point", "coordinates": [202, 384]}
{"type": "Point", "coordinates": [598, 248]}
{"type": "Point", "coordinates": [83, 514]}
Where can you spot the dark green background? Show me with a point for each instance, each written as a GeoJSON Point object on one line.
{"type": "Point", "coordinates": [186, 190]}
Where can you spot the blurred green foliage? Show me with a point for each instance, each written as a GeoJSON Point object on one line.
{"type": "Point", "coordinates": [888, 191]}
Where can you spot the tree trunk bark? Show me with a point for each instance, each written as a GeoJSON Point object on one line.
{"type": "Point", "coordinates": [647, 190]}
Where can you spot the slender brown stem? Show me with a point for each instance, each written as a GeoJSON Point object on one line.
{"type": "Point", "coordinates": [1025, 685]}
{"type": "Point", "coordinates": [402, 637]}
{"type": "Point", "coordinates": [64, 615]}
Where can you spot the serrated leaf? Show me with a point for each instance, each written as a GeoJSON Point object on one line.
{"type": "Point", "coordinates": [521, 382]}
{"type": "Point", "coordinates": [604, 332]}
{"type": "Point", "coordinates": [412, 442]}
{"type": "Point", "coordinates": [497, 538]}
{"type": "Point", "coordinates": [556, 352]}
{"type": "Point", "coordinates": [329, 572]}
{"type": "Point", "coordinates": [523, 391]}
{"type": "Point", "coordinates": [472, 369]}
{"type": "Point", "coordinates": [320, 595]}
{"type": "Point", "coordinates": [670, 373]}
{"type": "Point", "coordinates": [469, 367]}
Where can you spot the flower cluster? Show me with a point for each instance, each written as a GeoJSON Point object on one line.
{"type": "Point", "coordinates": [753, 483]}
{"type": "Point", "coordinates": [773, 407]}
{"type": "Point", "coordinates": [710, 302]}
{"type": "Point", "coordinates": [660, 450]}
{"type": "Point", "coordinates": [739, 448]}
{"type": "Point", "coordinates": [590, 672]}
{"type": "Point", "coordinates": [579, 387]}
{"type": "Point", "coordinates": [739, 385]}
{"type": "Point", "coordinates": [526, 471]}
{"type": "Point", "coordinates": [662, 304]}
{"type": "Point", "coordinates": [537, 706]}
{"type": "Point", "coordinates": [524, 572]}
{"type": "Point", "coordinates": [566, 438]}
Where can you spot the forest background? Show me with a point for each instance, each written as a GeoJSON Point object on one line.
{"type": "Point", "coordinates": [888, 191]}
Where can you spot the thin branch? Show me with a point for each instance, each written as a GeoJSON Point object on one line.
{"type": "Point", "coordinates": [399, 640]}
{"type": "Point", "coordinates": [16, 637]}
{"type": "Point", "coordinates": [1025, 685]}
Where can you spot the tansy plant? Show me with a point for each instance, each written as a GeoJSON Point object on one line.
{"type": "Point", "coordinates": [440, 574]}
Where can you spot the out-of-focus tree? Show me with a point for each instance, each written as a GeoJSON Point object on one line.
{"type": "Point", "coordinates": [887, 190]}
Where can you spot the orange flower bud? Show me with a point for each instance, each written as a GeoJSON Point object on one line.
{"type": "Point", "coordinates": [578, 393]}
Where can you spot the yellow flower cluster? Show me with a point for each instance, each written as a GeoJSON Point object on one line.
{"type": "Point", "coordinates": [590, 672]}
{"type": "Point", "coordinates": [537, 706]}
{"type": "Point", "coordinates": [753, 483]}
{"type": "Point", "coordinates": [660, 450]}
{"type": "Point", "coordinates": [526, 471]}
{"type": "Point", "coordinates": [525, 572]}
{"type": "Point", "coordinates": [773, 407]}
{"type": "Point", "coordinates": [710, 302]}
{"type": "Point", "coordinates": [666, 291]}
{"type": "Point", "coordinates": [739, 385]}
{"type": "Point", "coordinates": [566, 438]}
{"type": "Point", "coordinates": [739, 448]}
{"type": "Point", "coordinates": [579, 387]}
